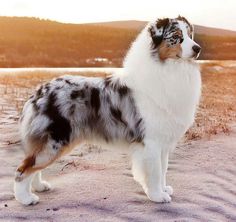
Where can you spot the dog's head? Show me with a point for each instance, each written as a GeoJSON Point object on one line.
{"type": "Point", "coordinates": [173, 38]}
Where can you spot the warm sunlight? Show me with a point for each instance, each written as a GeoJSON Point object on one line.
{"type": "Point", "coordinates": [220, 14]}
{"type": "Point", "coordinates": [112, 111]}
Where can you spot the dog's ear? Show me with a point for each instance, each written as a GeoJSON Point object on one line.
{"type": "Point", "coordinates": [157, 29]}
{"type": "Point", "coordinates": [182, 18]}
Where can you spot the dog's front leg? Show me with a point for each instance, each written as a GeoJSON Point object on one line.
{"type": "Point", "coordinates": [153, 169]}
{"type": "Point", "coordinates": [164, 163]}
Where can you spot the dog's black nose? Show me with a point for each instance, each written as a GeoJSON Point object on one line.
{"type": "Point", "coordinates": [196, 48]}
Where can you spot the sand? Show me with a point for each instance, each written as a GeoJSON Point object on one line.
{"type": "Point", "coordinates": [94, 184]}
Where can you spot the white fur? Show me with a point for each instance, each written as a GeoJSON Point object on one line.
{"type": "Point", "coordinates": [188, 43]}
{"type": "Point", "coordinates": [22, 191]}
{"type": "Point", "coordinates": [40, 185]}
{"type": "Point", "coordinates": [167, 94]}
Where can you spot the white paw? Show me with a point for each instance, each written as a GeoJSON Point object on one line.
{"type": "Point", "coordinates": [168, 189]}
{"type": "Point", "coordinates": [30, 199]}
{"type": "Point", "coordinates": [42, 186]}
{"type": "Point", "coordinates": [159, 197]}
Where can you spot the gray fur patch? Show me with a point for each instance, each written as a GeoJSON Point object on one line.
{"type": "Point", "coordinates": [79, 107]}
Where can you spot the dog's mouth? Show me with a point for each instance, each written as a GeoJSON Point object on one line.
{"type": "Point", "coordinates": [196, 55]}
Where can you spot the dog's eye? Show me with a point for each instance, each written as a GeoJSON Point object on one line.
{"type": "Point", "coordinates": [181, 40]}
{"type": "Point", "coordinates": [176, 37]}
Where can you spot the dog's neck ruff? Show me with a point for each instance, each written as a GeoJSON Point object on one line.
{"type": "Point", "coordinates": [172, 87]}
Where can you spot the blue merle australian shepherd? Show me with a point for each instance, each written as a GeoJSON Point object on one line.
{"type": "Point", "coordinates": [149, 106]}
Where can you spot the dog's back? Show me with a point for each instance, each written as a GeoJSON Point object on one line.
{"type": "Point", "coordinates": [151, 105]}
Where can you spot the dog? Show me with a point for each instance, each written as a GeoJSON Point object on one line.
{"type": "Point", "coordinates": [149, 106]}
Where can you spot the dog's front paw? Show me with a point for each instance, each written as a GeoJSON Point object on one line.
{"type": "Point", "coordinates": [168, 189]}
{"type": "Point", "coordinates": [42, 186]}
{"type": "Point", "coordinates": [159, 197]}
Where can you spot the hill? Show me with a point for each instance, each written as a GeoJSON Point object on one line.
{"type": "Point", "coordinates": [31, 42]}
{"type": "Point", "coordinates": [128, 24]}
{"type": "Point", "coordinates": [138, 25]}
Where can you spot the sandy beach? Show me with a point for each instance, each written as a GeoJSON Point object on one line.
{"type": "Point", "coordinates": [94, 184]}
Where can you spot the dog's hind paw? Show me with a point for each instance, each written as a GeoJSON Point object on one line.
{"type": "Point", "coordinates": [42, 186]}
{"type": "Point", "coordinates": [30, 199]}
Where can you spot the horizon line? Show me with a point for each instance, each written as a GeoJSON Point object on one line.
{"type": "Point", "coordinates": [105, 21]}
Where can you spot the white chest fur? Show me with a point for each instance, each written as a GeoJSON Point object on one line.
{"type": "Point", "coordinates": [166, 93]}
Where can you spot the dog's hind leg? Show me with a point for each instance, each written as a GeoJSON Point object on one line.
{"type": "Point", "coordinates": [40, 185]}
{"type": "Point", "coordinates": [23, 180]}
{"type": "Point", "coordinates": [30, 168]}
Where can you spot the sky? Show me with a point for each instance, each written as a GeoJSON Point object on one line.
{"type": "Point", "coordinates": [212, 13]}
